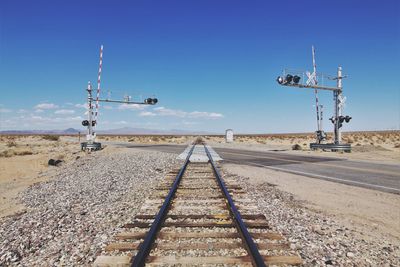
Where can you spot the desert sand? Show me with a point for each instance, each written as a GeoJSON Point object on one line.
{"type": "Point", "coordinates": [23, 159]}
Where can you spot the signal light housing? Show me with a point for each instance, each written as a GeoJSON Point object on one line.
{"type": "Point", "coordinates": [86, 123]}
{"type": "Point", "coordinates": [289, 78]}
{"type": "Point", "coordinates": [296, 79]}
{"type": "Point", "coordinates": [151, 101]}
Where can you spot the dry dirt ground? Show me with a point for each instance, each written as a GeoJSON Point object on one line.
{"type": "Point", "coordinates": [23, 160]}
{"type": "Point", "coordinates": [379, 146]}
{"type": "Point", "coordinates": [374, 215]}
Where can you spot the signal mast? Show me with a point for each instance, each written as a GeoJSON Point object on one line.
{"type": "Point", "coordinates": [91, 122]}
{"type": "Point", "coordinates": [293, 78]}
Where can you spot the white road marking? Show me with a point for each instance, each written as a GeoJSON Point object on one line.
{"type": "Point", "coordinates": [317, 163]}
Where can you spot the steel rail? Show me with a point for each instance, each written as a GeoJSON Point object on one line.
{"type": "Point", "coordinates": [251, 247]}
{"type": "Point", "coordinates": [145, 247]}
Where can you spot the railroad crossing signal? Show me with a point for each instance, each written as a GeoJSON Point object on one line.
{"type": "Point", "coordinates": [91, 122]}
{"type": "Point", "coordinates": [294, 79]}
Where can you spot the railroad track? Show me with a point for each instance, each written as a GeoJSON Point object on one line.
{"type": "Point", "coordinates": [197, 218]}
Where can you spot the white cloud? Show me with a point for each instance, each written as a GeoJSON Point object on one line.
{"type": "Point", "coordinates": [131, 107]}
{"type": "Point", "coordinates": [37, 121]}
{"type": "Point", "coordinates": [5, 110]}
{"type": "Point", "coordinates": [121, 122]}
{"type": "Point", "coordinates": [85, 106]}
{"type": "Point", "coordinates": [108, 107]}
{"type": "Point", "coordinates": [64, 111]}
{"type": "Point", "coordinates": [190, 123]}
{"type": "Point", "coordinates": [46, 106]}
{"type": "Point", "coordinates": [216, 115]}
{"type": "Point", "coordinates": [202, 114]}
{"type": "Point", "coordinates": [76, 118]}
{"type": "Point", "coordinates": [147, 114]}
{"type": "Point", "coordinates": [162, 111]}
{"type": "Point", "coordinates": [39, 111]}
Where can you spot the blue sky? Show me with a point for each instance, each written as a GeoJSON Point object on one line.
{"type": "Point", "coordinates": [211, 64]}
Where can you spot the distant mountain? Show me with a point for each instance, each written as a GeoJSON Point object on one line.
{"type": "Point", "coordinates": [71, 131]}
{"type": "Point", "coordinates": [129, 130]}
{"type": "Point", "coordinates": [119, 131]}
{"type": "Point", "coordinates": [66, 131]}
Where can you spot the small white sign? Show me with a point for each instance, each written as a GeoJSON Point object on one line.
{"type": "Point", "coordinates": [229, 136]}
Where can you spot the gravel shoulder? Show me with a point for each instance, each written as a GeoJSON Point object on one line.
{"type": "Point", "coordinates": [69, 218]}
{"type": "Point", "coordinates": [327, 222]}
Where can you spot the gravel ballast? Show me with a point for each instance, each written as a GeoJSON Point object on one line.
{"type": "Point", "coordinates": [71, 217]}
{"type": "Point", "coordinates": [319, 239]}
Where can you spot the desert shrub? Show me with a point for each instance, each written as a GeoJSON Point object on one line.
{"type": "Point", "coordinates": [296, 147]}
{"type": "Point", "coordinates": [198, 140]}
{"type": "Point", "coordinates": [155, 139]}
{"type": "Point", "coordinates": [24, 153]}
{"type": "Point", "coordinates": [397, 146]}
{"type": "Point", "coordinates": [51, 137]}
{"type": "Point", "coordinates": [10, 153]}
{"type": "Point", "coordinates": [11, 143]}
{"type": "Point", "coordinates": [7, 153]}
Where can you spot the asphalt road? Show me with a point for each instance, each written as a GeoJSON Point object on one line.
{"type": "Point", "coordinates": [381, 177]}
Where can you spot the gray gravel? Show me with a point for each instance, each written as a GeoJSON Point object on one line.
{"type": "Point", "coordinates": [320, 240]}
{"type": "Point", "coordinates": [70, 218]}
